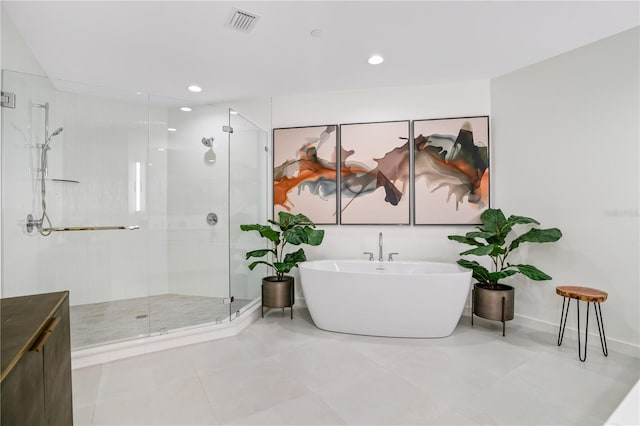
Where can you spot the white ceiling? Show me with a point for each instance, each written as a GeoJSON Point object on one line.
{"type": "Point", "coordinates": [161, 47]}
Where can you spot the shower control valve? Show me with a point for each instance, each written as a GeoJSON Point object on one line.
{"type": "Point", "coordinates": [32, 223]}
{"type": "Point", "coordinates": [212, 219]}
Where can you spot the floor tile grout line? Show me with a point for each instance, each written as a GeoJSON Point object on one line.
{"type": "Point", "coordinates": [344, 421]}
{"type": "Point", "coordinates": [211, 405]}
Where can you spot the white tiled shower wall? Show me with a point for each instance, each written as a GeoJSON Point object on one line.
{"type": "Point", "coordinates": [99, 147]}
{"type": "Point", "coordinates": [102, 144]}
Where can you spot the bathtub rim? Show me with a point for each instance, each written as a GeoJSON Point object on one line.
{"type": "Point", "coordinates": [457, 269]}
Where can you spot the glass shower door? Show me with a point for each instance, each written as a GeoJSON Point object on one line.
{"type": "Point", "coordinates": [77, 152]}
{"type": "Point", "coordinates": [188, 220]}
{"type": "Point", "coordinates": [248, 159]}
{"type": "Point", "coordinates": [120, 159]}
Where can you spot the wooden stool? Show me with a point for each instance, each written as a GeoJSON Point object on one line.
{"type": "Point", "coordinates": [588, 295]}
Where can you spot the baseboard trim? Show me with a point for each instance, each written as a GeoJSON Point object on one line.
{"type": "Point", "coordinates": [615, 345]}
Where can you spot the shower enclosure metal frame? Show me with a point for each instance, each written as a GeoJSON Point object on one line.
{"type": "Point", "coordinates": [82, 263]}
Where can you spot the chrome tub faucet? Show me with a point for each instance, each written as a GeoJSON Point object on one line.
{"type": "Point", "coordinates": [380, 251]}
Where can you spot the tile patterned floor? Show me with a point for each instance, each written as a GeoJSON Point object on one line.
{"type": "Point", "coordinates": [99, 323]}
{"type": "Point", "coordinates": [284, 372]}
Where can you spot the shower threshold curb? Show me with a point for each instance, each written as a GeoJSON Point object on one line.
{"type": "Point", "coordinates": [113, 351]}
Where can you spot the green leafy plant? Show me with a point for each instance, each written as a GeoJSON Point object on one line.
{"type": "Point", "coordinates": [289, 229]}
{"type": "Point", "coordinates": [499, 242]}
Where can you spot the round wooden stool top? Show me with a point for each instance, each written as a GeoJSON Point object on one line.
{"type": "Point", "coordinates": [586, 294]}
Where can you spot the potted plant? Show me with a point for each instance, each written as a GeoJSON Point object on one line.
{"type": "Point", "coordinates": [278, 289]}
{"type": "Point", "coordinates": [497, 239]}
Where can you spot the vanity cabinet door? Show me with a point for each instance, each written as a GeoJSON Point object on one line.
{"type": "Point", "coordinates": [22, 393]}
{"type": "Point", "coordinates": [36, 361]}
{"type": "Point", "coordinates": [57, 371]}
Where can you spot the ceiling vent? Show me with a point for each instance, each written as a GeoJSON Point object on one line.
{"type": "Point", "coordinates": [242, 21]}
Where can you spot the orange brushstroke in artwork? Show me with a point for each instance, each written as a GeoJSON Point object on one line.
{"type": "Point", "coordinates": [309, 170]}
{"type": "Point", "coordinates": [484, 188]}
{"type": "Point", "coordinates": [476, 176]}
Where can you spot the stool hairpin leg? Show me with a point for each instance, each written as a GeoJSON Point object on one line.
{"type": "Point", "coordinates": [563, 315]}
{"type": "Point", "coordinates": [603, 338]}
{"type": "Point", "coordinates": [586, 332]}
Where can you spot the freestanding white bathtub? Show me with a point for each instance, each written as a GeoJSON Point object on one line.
{"type": "Point", "coordinates": [392, 299]}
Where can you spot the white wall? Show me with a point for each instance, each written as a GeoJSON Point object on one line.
{"type": "Point", "coordinates": [257, 111]}
{"type": "Point", "coordinates": [402, 103]}
{"type": "Point", "coordinates": [16, 56]}
{"type": "Point", "coordinates": [565, 151]}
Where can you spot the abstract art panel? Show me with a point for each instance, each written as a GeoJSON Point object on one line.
{"type": "Point", "coordinates": [304, 172]}
{"type": "Point", "coordinates": [374, 173]}
{"type": "Point", "coordinates": [451, 170]}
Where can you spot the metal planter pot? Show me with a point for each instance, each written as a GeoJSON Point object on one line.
{"type": "Point", "coordinates": [278, 293]}
{"type": "Point", "coordinates": [496, 304]}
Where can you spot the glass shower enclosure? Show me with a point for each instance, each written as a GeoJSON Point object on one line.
{"type": "Point", "coordinates": [132, 204]}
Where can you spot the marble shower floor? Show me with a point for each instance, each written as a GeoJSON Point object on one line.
{"type": "Point", "coordinates": [99, 323]}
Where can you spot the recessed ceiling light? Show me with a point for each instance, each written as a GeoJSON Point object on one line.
{"type": "Point", "coordinates": [233, 112]}
{"type": "Point", "coordinates": [138, 93]}
{"type": "Point", "coordinates": [316, 33]}
{"type": "Point", "coordinates": [160, 149]}
{"type": "Point", "coordinates": [375, 60]}
{"type": "Point", "coordinates": [195, 88]}
{"type": "Point", "coordinates": [171, 129]}
{"type": "Point", "coordinates": [185, 109]}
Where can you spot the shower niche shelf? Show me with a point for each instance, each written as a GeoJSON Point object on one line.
{"type": "Point", "coordinates": [63, 180]}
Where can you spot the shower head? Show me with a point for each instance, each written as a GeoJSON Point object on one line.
{"type": "Point", "coordinates": [51, 136]}
{"type": "Point", "coordinates": [56, 132]}
{"type": "Point", "coordinates": [209, 155]}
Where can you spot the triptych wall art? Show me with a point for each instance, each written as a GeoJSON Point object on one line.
{"type": "Point", "coordinates": [368, 173]}
{"type": "Point", "coordinates": [374, 173]}
{"type": "Point", "coordinates": [305, 173]}
{"type": "Point", "coordinates": [451, 170]}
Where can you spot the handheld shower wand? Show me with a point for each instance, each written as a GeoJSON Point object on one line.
{"type": "Point", "coordinates": [43, 169]}
{"type": "Point", "coordinates": [51, 136]}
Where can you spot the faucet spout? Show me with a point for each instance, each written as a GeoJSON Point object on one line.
{"type": "Point", "coordinates": [380, 257]}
